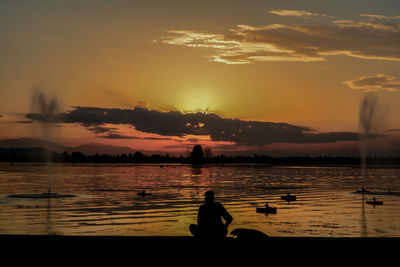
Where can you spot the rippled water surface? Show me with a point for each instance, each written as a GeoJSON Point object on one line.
{"type": "Point", "coordinates": [106, 201]}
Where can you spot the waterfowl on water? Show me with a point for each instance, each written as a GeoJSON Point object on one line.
{"type": "Point", "coordinates": [143, 193]}
{"type": "Point", "coordinates": [266, 209]}
{"type": "Point", "coordinates": [374, 202]}
{"type": "Point", "coordinates": [289, 197]}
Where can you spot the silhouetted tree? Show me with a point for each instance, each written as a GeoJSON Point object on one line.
{"type": "Point", "coordinates": [197, 155]}
{"type": "Point", "coordinates": [138, 156]}
{"type": "Point", "coordinates": [208, 153]}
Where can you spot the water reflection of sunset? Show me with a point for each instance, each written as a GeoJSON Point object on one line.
{"type": "Point", "coordinates": [107, 202]}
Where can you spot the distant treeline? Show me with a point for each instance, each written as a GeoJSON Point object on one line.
{"type": "Point", "coordinates": [40, 155]}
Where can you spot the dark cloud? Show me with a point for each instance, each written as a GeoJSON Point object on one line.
{"type": "Point", "coordinates": [117, 136]}
{"type": "Point", "coordinates": [97, 129]}
{"type": "Point", "coordinates": [121, 136]}
{"type": "Point", "coordinates": [59, 118]}
{"type": "Point", "coordinates": [24, 122]}
{"type": "Point", "coordinates": [174, 123]}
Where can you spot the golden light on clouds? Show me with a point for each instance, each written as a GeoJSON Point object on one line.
{"type": "Point", "coordinates": [293, 12]}
{"type": "Point", "coordinates": [246, 44]}
{"type": "Point", "coordinates": [375, 83]}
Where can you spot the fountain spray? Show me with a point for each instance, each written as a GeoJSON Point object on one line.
{"type": "Point", "coordinates": [366, 120]}
{"type": "Point", "coordinates": [47, 108]}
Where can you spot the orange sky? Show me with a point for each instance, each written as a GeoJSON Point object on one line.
{"type": "Point", "coordinates": [305, 63]}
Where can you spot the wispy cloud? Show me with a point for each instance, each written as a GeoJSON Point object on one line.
{"type": "Point", "coordinates": [386, 26]}
{"type": "Point", "coordinates": [375, 83]}
{"type": "Point", "coordinates": [293, 12]}
{"type": "Point", "coordinates": [102, 129]}
{"type": "Point", "coordinates": [374, 16]}
{"type": "Point", "coordinates": [132, 137]}
{"type": "Point", "coordinates": [200, 39]}
{"type": "Point", "coordinates": [24, 122]}
{"type": "Point", "coordinates": [379, 17]}
{"type": "Point", "coordinates": [245, 44]}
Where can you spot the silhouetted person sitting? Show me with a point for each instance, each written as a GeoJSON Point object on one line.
{"type": "Point", "coordinates": [209, 222]}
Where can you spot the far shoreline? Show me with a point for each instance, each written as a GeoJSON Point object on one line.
{"type": "Point", "coordinates": [178, 164]}
{"type": "Point", "coordinates": [42, 155]}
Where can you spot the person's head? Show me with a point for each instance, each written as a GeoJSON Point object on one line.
{"type": "Point", "coordinates": [209, 196]}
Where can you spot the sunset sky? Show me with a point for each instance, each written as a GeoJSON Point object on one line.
{"type": "Point", "coordinates": [271, 77]}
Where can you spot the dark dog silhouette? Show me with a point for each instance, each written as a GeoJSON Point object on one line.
{"type": "Point", "coordinates": [248, 234]}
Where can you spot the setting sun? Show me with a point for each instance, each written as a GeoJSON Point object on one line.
{"type": "Point", "coordinates": [197, 100]}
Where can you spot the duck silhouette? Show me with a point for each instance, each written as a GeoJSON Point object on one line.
{"type": "Point", "coordinates": [374, 202]}
{"type": "Point", "coordinates": [289, 197]}
{"type": "Point", "coordinates": [267, 209]}
{"type": "Point", "coordinates": [143, 193]}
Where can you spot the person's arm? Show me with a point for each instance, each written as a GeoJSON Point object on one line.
{"type": "Point", "coordinates": [199, 216]}
{"type": "Point", "coordinates": [225, 214]}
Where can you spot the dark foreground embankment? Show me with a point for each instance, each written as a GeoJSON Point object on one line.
{"type": "Point", "coordinates": [57, 249]}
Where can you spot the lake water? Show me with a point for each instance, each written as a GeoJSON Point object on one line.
{"type": "Point", "coordinates": [107, 203]}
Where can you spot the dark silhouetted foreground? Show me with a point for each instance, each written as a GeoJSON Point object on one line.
{"type": "Point", "coordinates": [150, 250]}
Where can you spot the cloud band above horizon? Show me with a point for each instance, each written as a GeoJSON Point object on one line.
{"type": "Point", "coordinates": [178, 124]}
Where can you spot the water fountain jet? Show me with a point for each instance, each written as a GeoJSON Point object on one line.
{"type": "Point", "coordinates": [48, 110]}
{"type": "Point", "coordinates": [366, 120]}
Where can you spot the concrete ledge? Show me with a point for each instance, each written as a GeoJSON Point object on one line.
{"type": "Point", "coordinates": [98, 249]}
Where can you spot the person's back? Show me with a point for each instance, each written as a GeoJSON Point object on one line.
{"type": "Point", "coordinates": [209, 221]}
